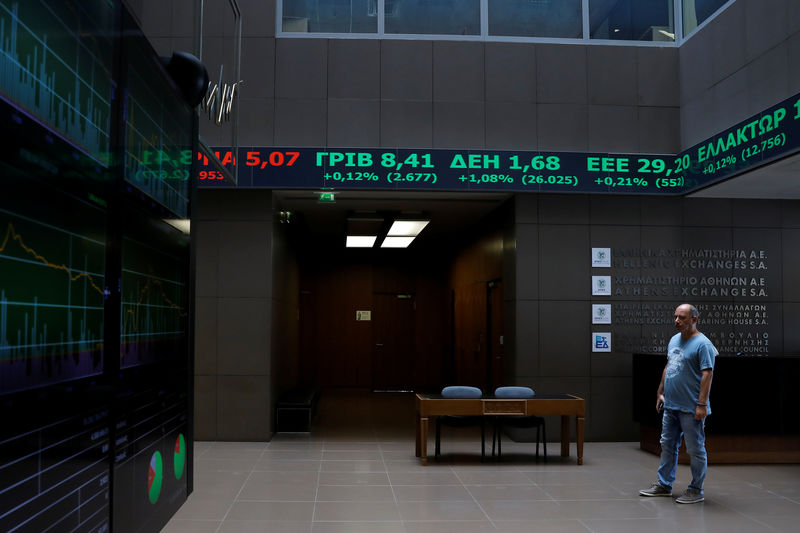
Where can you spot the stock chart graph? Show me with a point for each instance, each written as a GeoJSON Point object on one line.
{"type": "Point", "coordinates": [55, 64]}
{"type": "Point", "coordinates": [93, 283]}
{"type": "Point", "coordinates": [153, 304]}
{"type": "Point", "coordinates": [51, 300]}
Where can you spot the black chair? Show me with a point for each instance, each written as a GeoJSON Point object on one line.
{"type": "Point", "coordinates": [460, 421]}
{"type": "Point", "coordinates": [518, 421]}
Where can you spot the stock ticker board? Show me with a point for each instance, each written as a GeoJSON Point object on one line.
{"type": "Point", "coordinates": [765, 137]}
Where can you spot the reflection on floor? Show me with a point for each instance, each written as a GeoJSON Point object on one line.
{"type": "Point", "coordinates": [357, 473]}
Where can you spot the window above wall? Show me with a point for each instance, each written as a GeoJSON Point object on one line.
{"type": "Point", "coordinates": [697, 12]}
{"type": "Point", "coordinates": [646, 22]}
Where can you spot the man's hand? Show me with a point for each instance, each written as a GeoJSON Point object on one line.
{"type": "Point", "coordinates": [659, 403]}
{"type": "Point", "coordinates": [700, 412]}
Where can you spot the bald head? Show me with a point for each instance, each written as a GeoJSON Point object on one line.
{"type": "Point", "coordinates": [686, 320]}
{"type": "Point", "coordinates": [692, 310]}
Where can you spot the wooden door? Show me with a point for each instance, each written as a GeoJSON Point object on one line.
{"type": "Point", "coordinates": [478, 332]}
{"type": "Point", "coordinates": [469, 335]}
{"type": "Point", "coordinates": [494, 335]}
{"type": "Point", "coordinates": [393, 333]}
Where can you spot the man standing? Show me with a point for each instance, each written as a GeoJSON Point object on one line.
{"type": "Point", "coordinates": [683, 396]}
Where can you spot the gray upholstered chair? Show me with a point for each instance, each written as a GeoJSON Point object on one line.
{"type": "Point", "coordinates": [518, 421]}
{"type": "Point", "coordinates": [460, 421]}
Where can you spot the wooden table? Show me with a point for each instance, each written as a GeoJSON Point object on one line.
{"type": "Point", "coordinates": [565, 405]}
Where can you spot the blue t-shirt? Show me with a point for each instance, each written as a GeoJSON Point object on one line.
{"type": "Point", "coordinates": [687, 359]}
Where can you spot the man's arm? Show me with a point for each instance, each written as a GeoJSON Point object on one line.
{"type": "Point", "coordinates": [701, 411]}
{"type": "Point", "coordinates": [660, 392]}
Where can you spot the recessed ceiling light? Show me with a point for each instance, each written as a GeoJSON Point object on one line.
{"type": "Point", "coordinates": [360, 241]}
{"type": "Point", "coordinates": [396, 242]}
{"type": "Point", "coordinates": [407, 227]}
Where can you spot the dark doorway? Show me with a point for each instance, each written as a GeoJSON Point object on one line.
{"type": "Point", "coordinates": [404, 343]}
{"type": "Point", "coordinates": [469, 339]}
{"type": "Point", "coordinates": [494, 333]}
{"type": "Point", "coordinates": [393, 333]}
{"type": "Point", "coordinates": [478, 334]}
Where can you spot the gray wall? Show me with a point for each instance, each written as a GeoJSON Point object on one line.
{"type": "Point", "coordinates": [741, 63]}
{"type": "Point", "coordinates": [443, 94]}
{"type": "Point", "coordinates": [169, 24]}
{"type": "Point", "coordinates": [440, 94]}
{"type": "Point", "coordinates": [549, 304]}
{"type": "Point", "coordinates": [234, 363]}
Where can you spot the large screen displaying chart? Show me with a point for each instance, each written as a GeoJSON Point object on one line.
{"type": "Point", "coordinates": [158, 131]}
{"type": "Point", "coordinates": [55, 65]}
{"type": "Point", "coordinates": [153, 311]}
{"type": "Point", "coordinates": [96, 147]}
{"type": "Point", "coordinates": [52, 284]}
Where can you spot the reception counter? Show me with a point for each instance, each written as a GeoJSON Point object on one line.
{"type": "Point", "coordinates": [755, 408]}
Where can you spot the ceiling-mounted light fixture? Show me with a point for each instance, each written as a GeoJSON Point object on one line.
{"type": "Point", "coordinates": [403, 232]}
{"type": "Point", "coordinates": [407, 228]}
{"type": "Point", "coordinates": [360, 241]}
{"type": "Point", "coordinates": [363, 231]}
{"type": "Point", "coordinates": [396, 242]}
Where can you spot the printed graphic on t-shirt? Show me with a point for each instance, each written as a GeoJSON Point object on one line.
{"type": "Point", "coordinates": [675, 364]}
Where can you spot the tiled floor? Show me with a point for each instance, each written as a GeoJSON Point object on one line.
{"type": "Point", "coordinates": [357, 473]}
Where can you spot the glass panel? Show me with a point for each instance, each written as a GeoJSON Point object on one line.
{"type": "Point", "coordinates": [632, 20]}
{"type": "Point", "coordinates": [330, 16]}
{"type": "Point", "coordinates": [433, 17]}
{"type": "Point", "coordinates": [536, 18]}
{"type": "Point", "coordinates": [695, 12]}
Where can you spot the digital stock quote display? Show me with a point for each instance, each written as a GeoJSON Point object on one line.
{"type": "Point", "coordinates": [767, 136]}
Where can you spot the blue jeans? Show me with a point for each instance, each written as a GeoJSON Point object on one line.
{"type": "Point", "coordinates": [674, 424]}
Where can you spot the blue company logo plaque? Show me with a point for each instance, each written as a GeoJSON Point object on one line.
{"type": "Point", "coordinates": [601, 342]}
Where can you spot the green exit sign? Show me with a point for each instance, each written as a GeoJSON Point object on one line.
{"type": "Point", "coordinates": [326, 197]}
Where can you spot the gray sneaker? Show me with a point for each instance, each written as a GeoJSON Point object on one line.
{"type": "Point", "coordinates": [690, 496]}
{"type": "Point", "coordinates": [656, 489]}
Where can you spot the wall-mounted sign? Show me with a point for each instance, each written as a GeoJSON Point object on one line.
{"type": "Point", "coordinates": [736, 289]}
{"type": "Point", "coordinates": [601, 313]}
{"type": "Point", "coordinates": [601, 285]}
{"type": "Point", "coordinates": [601, 342]}
{"type": "Point", "coordinates": [601, 257]}
{"type": "Point", "coordinates": [363, 316]}
{"type": "Point", "coordinates": [328, 197]}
